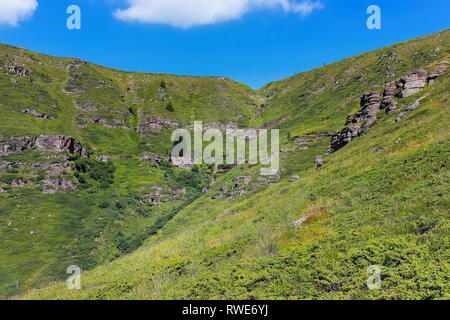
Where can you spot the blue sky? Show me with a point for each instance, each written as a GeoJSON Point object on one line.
{"type": "Point", "coordinates": [252, 41]}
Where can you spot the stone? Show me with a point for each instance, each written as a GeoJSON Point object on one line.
{"type": "Point", "coordinates": [294, 178]}
{"type": "Point", "coordinates": [343, 137]}
{"type": "Point", "coordinates": [370, 106]}
{"type": "Point", "coordinates": [299, 222]}
{"type": "Point", "coordinates": [318, 162]}
{"type": "Point", "coordinates": [103, 157]}
{"type": "Point", "coordinates": [156, 124]}
{"type": "Point", "coordinates": [153, 158]}
{"type": "Point", "coordinates": [413, 83]}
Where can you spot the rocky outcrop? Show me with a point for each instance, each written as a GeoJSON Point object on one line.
{"type": "Point", "coordinates": [37, 114]}
{"type": "Point", "coordinates": [220, 126]}
{"type": "Point", "coordinates": [388, 102]}
{"type": "Point", "coordinates": [17, 70]}
{"type": "Point", "coordinates": [407, 110]}
{"type": "Point", "coordinates": [357, 124]}
{"type": "Point", "coordinates": [182, 162]}
{"type": "Point", "coordinates": [103, 157]}
{"type": "Point", "coordinates": [418, 80]}
{"type": "Point", "coordinates": [160, 195]}
{"type": "Point", "coordinates": [318, 162]}
{"type": "Point", "coordinates": [156, 124]}
{"type": "Point", "coordinates": [438, 70]}
{"type": "Point", "coordinates": [236, 189]}
{"type": "Point", "coordinates": [413, 83]}
{"type": "Point", "coordinates": [76, 64]}
{"type": "Point", "coordinates": [370, 106]}
{"type": "Point", "coordinates": [153, 158]}
{"type": "Point", "coordinates": [53, 185]}
{"type": "Point", "coordinates": [87, 106]}
{"type": "Point", "coordinates": [55, 143]}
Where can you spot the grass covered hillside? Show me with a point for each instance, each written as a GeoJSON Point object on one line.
{"type": "Point", "coordinates": [364, 173]}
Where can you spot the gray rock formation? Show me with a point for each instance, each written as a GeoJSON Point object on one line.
{"type": "Point", "coordinates": [37, 114]}
{"type": "Point", "coordinates": [370, 106]}
{"type": "Point", "coordinates": [318, 162]}
{"type": "Point", "coordinates": [55, 143]}
{"type": "Point", "coordinates": [153, 158]}
{"type": "Point", "coordinates": [413, 83]}
{"type": "Point", "coordinates": [17, 69]}
{"type": "Point", "coordinates": [157, 124]}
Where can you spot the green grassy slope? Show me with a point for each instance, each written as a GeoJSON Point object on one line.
{"type": "Point", "coordinates": [381, 200]}
{"type": "Point", "coordinates": [42, 234]}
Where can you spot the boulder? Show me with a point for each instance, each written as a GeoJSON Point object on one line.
{"type": "Point", "coordinates": [103, 157]}
{"type": "Point", "coordinates": [299, 222]}
{"type": "Point", "coordinates": [413, 83]}
{"type": "Point", "coordinates": [318, 162]}
{"type": "Point", "coordinates": [343, 137]}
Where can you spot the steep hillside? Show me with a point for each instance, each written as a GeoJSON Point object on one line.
{"type": "Point", "coordinates": [364, 173]}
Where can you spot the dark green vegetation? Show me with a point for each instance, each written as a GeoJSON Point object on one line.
{"type": "Point", "coordinates": [147, 229]}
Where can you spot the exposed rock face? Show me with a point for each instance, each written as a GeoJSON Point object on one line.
{"type": "Point", "coordinates": [55, 143]}
{"type": "Point", "coordinates": [299, 222]}
{"type": "Point", "coordinates": [412, 107]}
{"type": "Point", "coordinates": [182, 162]}
{"type": "Point", "coordinates": [370, 106]}
{"type": "Point", "coordinates": [270, 124]}
{"type": "Point", "coordinates": [103, 158]}
{"type": "Point", "coordinates": [87, 106]}
{"type": "Point", "coordinates": [153, 158]}
{"type": "Point", "coordinates": [17, 70]}
{"type": "Point", "coordinates": [388, 102]}
{"type": "Point", "coordinates": [413, 83]}
{"type": "Point", "coordinates": [343, 137]}
{"type": "Point", "coordinates": [160, 196]}
{"type": "Point", "coordinates": [37, 114]}
{"type": "Point", "coordinates": [53, 185]}
{"type": "Point", "coordinates": [76, 64]}
{"type": "Point", "coordinates": [157, 124]}
{"type": "Point", "coordinates": [318, 162]}
{"type": "Point", "coordinates": [236, 189]}
{"type": "Point", "coordinates": [102, 121]}
{"type": "Point", "coordinates": [439, 70]}
{"type": "Point", "coordinates": [357, 124]}
{"type": "Point", "coordinates": [221, 126]}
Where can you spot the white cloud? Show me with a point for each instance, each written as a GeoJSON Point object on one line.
{"type": "Point", "coordinates": [306, 7]}
{"type": "Point", "coordinates": [188, 13]}
{"type": "Point", "coordinates": [13, 11]}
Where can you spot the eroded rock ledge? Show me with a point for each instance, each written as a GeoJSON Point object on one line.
{"type": "Point", "coordinates": [372, 103]}
{"type": "Point", "coordinates": [54, 143]}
